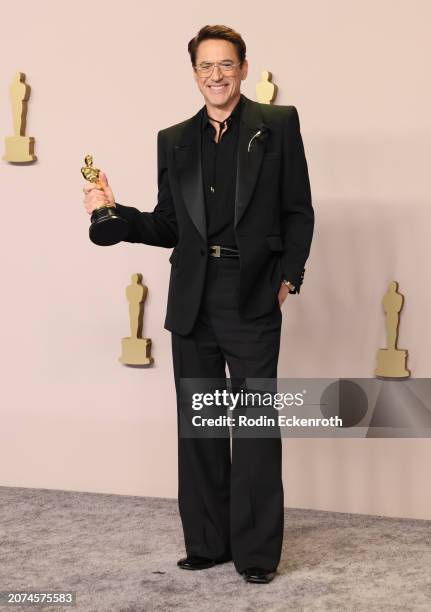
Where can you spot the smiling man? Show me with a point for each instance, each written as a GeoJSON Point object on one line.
{"type": "Point", "coordinates": [234, 201]}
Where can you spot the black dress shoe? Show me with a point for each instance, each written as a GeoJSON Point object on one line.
{"type": "Point", "coordinates": [258, 575]}
{"type": "Point", "coordinates": [198, 563]}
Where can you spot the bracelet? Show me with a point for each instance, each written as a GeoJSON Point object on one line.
{"type": "Point", "coordinates": [288, 284]}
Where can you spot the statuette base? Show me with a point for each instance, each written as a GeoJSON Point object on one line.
{"type": "Point", "coordinates": [391, 364]}
{"type": "Point", "coordinates": [107, 227]}
{"type": "Point", "coordinates": [19, 149]}
{"type": "Point", "coordinates": [136, 351]}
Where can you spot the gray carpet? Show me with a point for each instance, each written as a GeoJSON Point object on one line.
{"type": "Point", "coordinates": [119, 554]}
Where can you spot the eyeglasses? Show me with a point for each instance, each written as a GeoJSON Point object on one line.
{"type": "Point", "coordinates": [206, 68]}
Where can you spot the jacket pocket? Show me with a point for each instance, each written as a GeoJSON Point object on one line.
{"type": "Point", "coordinates": [275, 243]}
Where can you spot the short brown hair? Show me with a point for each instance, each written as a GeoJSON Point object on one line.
{"type": "Point", "coordinates": [217, 31]}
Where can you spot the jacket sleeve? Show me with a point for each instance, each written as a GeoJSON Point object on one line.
{"type": "Point", "coordinates": [159, 227]}
{"type": "Point", "coordinates": [297, 215]}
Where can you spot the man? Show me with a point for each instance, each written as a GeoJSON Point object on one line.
{"type": "Point", "coordinates": [234, 201]}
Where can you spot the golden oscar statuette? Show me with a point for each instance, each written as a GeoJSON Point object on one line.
{"type": "Point", "coordinates": [107, 227]}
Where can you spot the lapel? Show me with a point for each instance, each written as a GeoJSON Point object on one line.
{"type": "Point", "coordinates": [249, 161]}
{"type": "Point", "coordinates": [188, 160]}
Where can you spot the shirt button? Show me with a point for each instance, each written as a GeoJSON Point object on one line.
{"type": "Point", "coordinates": [212, 189]}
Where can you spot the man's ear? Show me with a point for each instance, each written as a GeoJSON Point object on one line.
{"type": "Point", "coordinates": [244, 69]}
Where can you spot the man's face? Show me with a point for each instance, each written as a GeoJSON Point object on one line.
{"type": "Point", "coordinates": [219, 88]}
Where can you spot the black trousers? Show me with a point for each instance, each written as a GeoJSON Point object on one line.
{"type": "Point", "coordinates": [231, 506]}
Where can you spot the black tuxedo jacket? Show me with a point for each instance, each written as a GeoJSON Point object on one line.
{"type": "Point", "coordinates": [274, 217]}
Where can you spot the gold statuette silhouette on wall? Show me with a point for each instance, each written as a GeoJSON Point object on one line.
{"type": "Point", "coordinates": [266, 91]}
{"type": "Point", "coordinates": [391, 361]}
{"type": "Point", "coordinates": [19, 148]}
{"type": "Point", "coordinates": [136, 350]}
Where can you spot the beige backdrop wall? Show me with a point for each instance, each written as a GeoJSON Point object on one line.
{"type": "Point", "coordinates": [106, 77]}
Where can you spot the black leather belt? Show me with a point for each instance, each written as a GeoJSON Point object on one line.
{"type": "Point", "coordinates": [217, 250]}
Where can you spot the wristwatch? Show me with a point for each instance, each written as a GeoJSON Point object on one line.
{"type": "Point", "coordinates": [289, 285]}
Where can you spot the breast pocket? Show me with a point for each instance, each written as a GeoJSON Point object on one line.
{"type": "Point", "coordinates": [272, 156]}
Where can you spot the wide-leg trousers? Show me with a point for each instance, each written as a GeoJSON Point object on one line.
{"type": "Point", "coordinates": [230, 503]}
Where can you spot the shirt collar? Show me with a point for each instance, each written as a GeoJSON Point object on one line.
{"type": "Point", "coordinates": [233, 117]}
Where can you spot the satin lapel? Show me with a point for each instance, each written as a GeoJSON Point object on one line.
{"type": "Point", "coordinates": [249, 162]}
{"type": "Point", "coordinates": [188, 159]}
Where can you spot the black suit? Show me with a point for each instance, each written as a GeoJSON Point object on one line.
{"type": "Point", "coordinates": [273, 211]}
{"type": "Point", "coordinates": [225, 312]}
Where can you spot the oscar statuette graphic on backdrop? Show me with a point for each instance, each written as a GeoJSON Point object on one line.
{"type": "Point", "coordinates": [136, 350]}
{"type": "Point", "coordinates": [19, 148]}
{"type": "Point", "coordinates": [399, 409]}
{"type": "Point", "coordinates": [391, 361]}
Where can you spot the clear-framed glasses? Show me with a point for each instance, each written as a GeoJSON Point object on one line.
{"type": "Point", "coordinates": [206, 68]}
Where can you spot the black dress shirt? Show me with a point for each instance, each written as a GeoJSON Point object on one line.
{"type": "Point", "coordinates": [219, 161]}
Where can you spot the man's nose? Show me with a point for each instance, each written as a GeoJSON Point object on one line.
{"type": "Point", "coordinates": [217, 73]}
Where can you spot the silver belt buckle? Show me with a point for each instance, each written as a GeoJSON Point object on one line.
{"type": "Point", "coordinates": [216, 250]}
